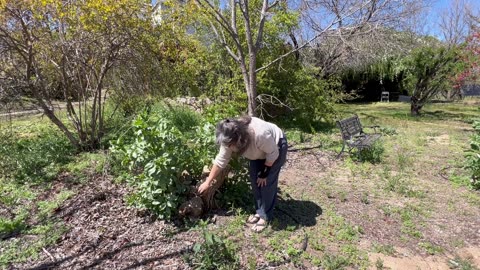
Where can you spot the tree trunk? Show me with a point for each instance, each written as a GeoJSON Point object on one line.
{"type": "Point", "coordinates": [49, 113]}
{"type": "Point", "coordinates": [415, 107]}
{"type": "Point", "coordinates": [252, 95]}
{"type": "Point", "coordinates": [252, 92]}
{"type": "Point", "coordinates": [250, 81]}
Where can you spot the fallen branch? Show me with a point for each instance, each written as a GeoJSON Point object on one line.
{"type": "Point", "coordinates": [49, 255]}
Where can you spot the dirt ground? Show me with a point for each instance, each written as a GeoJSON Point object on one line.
{"type": "Point", "coordinates": [444, 228]}
{"type": "Point", "coordinates": [104, 233]}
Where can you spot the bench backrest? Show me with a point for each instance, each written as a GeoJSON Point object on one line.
{"type": "Point", "coordinates": [349, 127]}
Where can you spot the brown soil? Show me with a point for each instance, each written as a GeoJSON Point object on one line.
{"type": "Point", "coordinates": [104, 233]}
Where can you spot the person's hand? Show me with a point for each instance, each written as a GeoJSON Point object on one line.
{"type": "Point", "coordinates": [204, 187]}
{"type": "Point", "coordinates": [261, 182]}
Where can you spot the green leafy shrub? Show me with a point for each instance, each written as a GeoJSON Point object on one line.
{"type": "Point", "coordinates": [223, 109]}
{"type": "Point", "coordinates": [236, 191]}
{"type": "Point", "coordinates": [472, 163]}
{"type": "Point", "coordinates": [181, 117]}
{"type": "Point", "coordinates": [373, 154]}
{"type": "Point", "coordinates": [157, 149]}
{"type": "Point", "coordinates": [310, 99]}
{"type": "Point", "coordinates": [333, 262]}
{"type": "Point", "coordinates": [313, 98]}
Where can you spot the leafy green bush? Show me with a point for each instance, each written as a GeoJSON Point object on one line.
{"type": "Point", "coordinates": [333, 262]}
{"type": "Point", "coordinates": [34, 158]}
{"type": "Point", "coordinates": [310, 99]}
{"type": "Point", "coordinates": [313, 99]}
{"type": "Point", "coordinates": [221, 110]}
{"type": "Point", "coordinates": [472, 163]}
{"type": "Point", "coordinates": [373, 154]}
{"type": "Point", "coordinates": [157, 149]}
{"type": "Point", "coordinates": [236, 191]}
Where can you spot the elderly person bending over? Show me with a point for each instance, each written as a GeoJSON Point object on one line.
{"type": "Point", "coordinates": [265, 145]}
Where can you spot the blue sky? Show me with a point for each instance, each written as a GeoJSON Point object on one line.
{"type": "Point", "coordinates": [439, 6]}
{"type": "Point", "coordinates": [441, 3]}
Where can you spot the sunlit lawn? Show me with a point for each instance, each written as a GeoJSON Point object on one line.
{"type": "Point", "coordinates": [331, 213]}
{"type": "Point", "coordinates": [415, 201]}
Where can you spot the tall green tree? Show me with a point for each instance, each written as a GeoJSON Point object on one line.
{"type": "Point", "coordinates": [240, 26]}
{"type": "Point", "coordinates": [429, 71]}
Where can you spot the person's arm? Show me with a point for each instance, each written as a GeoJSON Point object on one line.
{"type": "Point", "coordinates": [267, 144]}
{"type": "Point", "coordinates": [219, 163]}
{"type": "Point", "coordinates": [213, 174]}
{"type": "Point", "coordinates": [269, 163]}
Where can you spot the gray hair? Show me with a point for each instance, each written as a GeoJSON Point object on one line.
{"type": "Point", "coordinates": [234, 131]}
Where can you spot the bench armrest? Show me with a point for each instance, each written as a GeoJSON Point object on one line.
{"type": "Point", "coordinates": [374, 128]}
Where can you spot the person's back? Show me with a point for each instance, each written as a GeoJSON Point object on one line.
{"type": "Point", "coordinates": [264, 138]}
{"type": "Point", "coordinates": [265, 145]}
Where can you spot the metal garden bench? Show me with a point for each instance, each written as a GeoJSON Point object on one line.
{"type": "Point", "coordinates": [353, 135]}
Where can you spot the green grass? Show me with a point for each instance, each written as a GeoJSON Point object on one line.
{"type": "Point", "coordinates": [32, 154]}
{"type": "Point", "coordinates": [409, 216]}
{"type": "Point", "coordinates": [462, 264]}
{"type": "Point", "coordinates": [334, 262]}
{"type": "Point", "coordinates": [375, 112]}
{"type": "Point", "coordinates": [403, 186]}
{"type": "Point", "coordinates": [19, 250]}
{"type": "Point", "coordinates": [384, 249]}
{"type": "Point", "coordinates": [33, 219]}
{"type": "Point", "coordinates": [86, 165]}
{"type": "Point", "coordinates": [430, 248]}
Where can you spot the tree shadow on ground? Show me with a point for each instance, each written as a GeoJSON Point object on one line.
{"type": "Point", "coordinates": [443, 115]}
{"type": "Point", "coordinates": [293, 214]}
{"type": "Point", "coordinates": [98, 262]}
{"type": "Point", "coordinates": [424, 115]}
{"type": "Point", "coordinates": [293, 148]}
{"type": "Point", "coordinates": [313, 126]}
{"type": "Point", "coordinates": [156, 259]}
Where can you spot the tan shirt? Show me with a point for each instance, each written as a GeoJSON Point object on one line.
{"type": "Point", "coordinates": [264, 138]}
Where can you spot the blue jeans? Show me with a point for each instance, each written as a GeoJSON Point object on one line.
{"type": "Point", "coordinates": [266, 196]}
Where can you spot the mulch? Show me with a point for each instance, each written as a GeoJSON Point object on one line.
{"type": "Point", "coordinates": [105, 233]}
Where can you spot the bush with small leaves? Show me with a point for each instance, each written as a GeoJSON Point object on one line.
{"type": "Point", "coordinates": [472, 163]}
{"type": "Point", "coordinates": [373, 154]}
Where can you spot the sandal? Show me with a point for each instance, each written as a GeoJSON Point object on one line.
{"type": "Point", "coordinates": [253, 219]}
{"type": "Point", "coordinates": [259, 227]}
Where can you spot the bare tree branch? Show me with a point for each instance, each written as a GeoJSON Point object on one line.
{"type": "Point", "coordinates": [223, 41]}
{"type": "Point", "coordinates": [453, 22]}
